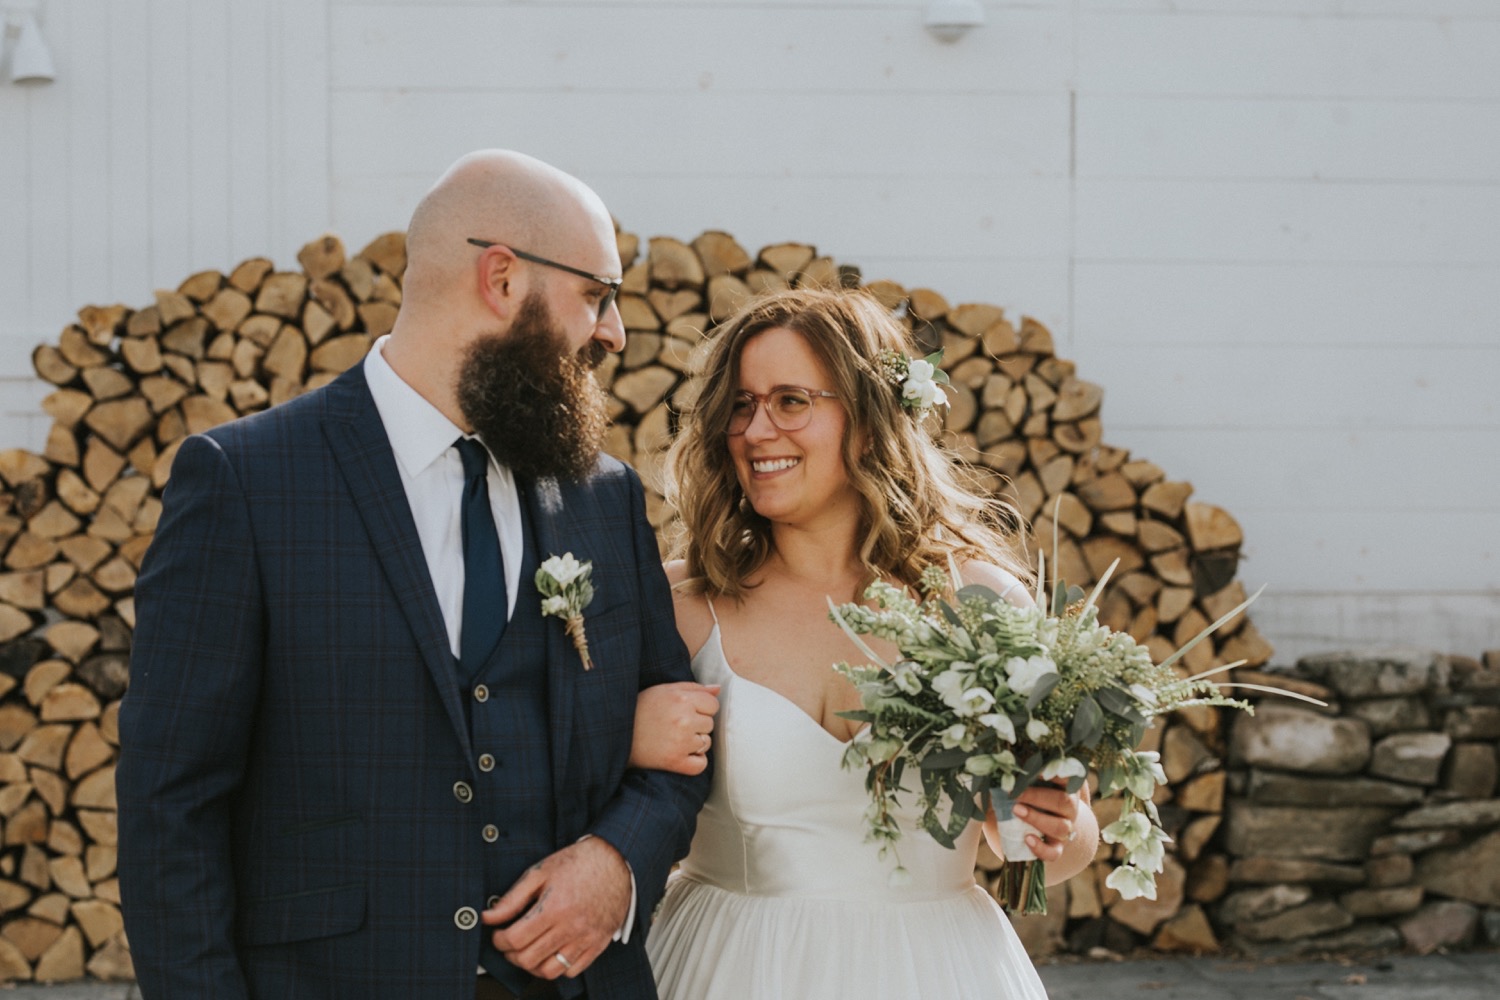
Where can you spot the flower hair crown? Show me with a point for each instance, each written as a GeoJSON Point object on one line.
{"type": "Point", "coordinates": [918, 378]}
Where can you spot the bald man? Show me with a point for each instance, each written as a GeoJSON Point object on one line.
{"type": "Point", "coordinates": [357, 759]}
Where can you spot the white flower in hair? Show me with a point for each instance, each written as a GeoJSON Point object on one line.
{"type": "Point", "coordinates": [920, 379]}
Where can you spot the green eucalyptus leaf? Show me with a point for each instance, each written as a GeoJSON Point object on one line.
{"type": "Point", "coordinates": [1042, 690]}
{"type": "Point", "coordinates": [1088, 723]}
{"type": "Point", "coordinates": [977, 591]}
{"type": "Point", "coordinates": [941, 760]}
{"type": "Point", "coordinates": [1059, 598]}
{"type": "Point", "coordinates": [1114, 700]}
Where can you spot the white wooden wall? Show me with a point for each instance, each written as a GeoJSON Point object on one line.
{"type": "Point", "coordinates": [1271, 228]}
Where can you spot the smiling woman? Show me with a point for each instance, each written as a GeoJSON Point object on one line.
{"type": "Point", "coordinates": [834, 482]}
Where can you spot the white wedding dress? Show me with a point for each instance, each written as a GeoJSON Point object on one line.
{"type": "Point", "coordinates": [780, 897]}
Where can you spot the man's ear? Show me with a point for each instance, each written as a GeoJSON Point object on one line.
{"type": "Point", "coordinates": [498, 280]}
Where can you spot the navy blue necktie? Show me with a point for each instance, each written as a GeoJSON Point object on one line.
{"type": "Point", "coordinates": [485, 609]}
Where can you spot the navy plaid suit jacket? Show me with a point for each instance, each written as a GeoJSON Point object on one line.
{"type": "Point", "coordinates": [294, 728]}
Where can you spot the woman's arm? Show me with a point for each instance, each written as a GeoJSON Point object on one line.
{"type": "Point", "coordinates": [672, 727]}
{"type": "Point", "coordinates": [673, 721]}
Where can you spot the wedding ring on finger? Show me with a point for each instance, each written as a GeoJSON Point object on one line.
{"type": "Point", "coordinates": [1073, 835]}
{"type": "Point", "coordinates": [567, 965]}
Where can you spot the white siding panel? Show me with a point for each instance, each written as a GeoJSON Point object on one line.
{"type": "Point", "coordinates": [1019, 220]}
{"type": "Point", "coordinates": [918, 138]}
{"type": "Point", "coordinates": [209, 123]}
{"type": "Point", "coordinates": [1285, 305]}
{"type": "Point", "coordinates": [1422, 9]}
{"type": "Point", "coordinates": [1036, 288]}
{"type": "Point", "coordinates": [647, 47]}
{"type": "Point", "coordinates": [1340, 511]}
{"type": "Point", "coordinates": [124, 169]}
{"type": "Point", "coordinates": [15, 225]}
{"type": "Point", "coordinates": [86, 263]}
{"type": "Point", "coordinates": [1199, 138]}
{"type": "Point", "coordinates": [170, 138]}
{"type": "Point", "coordinates": [248, 107]}
{"type": "Point", "coordinates": [1306, 622]}
{"type": "Point", "coordinates": [1397, 552]}
{"type": "Point", "coordinates": [1435, 474]}
{"type": "Point", "coordinates": [299, 135]}
{"type": "Point", "coordinates": [1221, 221]}
{"type": "Point", "coordinates": [1256, 388]}
{"type": "Point", "coordinates": [1260, 56]}
{"type": "Point", "coordinates": [51, 224]}
{"type": "Point", "coordinates": [852, 218]}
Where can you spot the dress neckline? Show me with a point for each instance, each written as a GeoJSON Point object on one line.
{"type": "Point", "coordinates": [716, 638]}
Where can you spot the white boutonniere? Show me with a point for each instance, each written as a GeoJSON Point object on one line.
{"type": "Point", "coordinates": [565, 588]}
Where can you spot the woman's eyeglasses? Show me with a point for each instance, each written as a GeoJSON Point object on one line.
{"type": "Point", "coordinates": [790, 408]}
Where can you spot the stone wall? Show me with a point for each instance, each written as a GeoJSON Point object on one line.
{"type": "Point", "coordinates": [1372, 823]}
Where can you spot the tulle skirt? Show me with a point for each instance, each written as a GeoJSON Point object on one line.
{"type": "Point", "coordinates": [711, 944]}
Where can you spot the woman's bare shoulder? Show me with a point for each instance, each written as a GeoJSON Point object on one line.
{"type": "Point", "coordinates": [695, 619]}
{"type": "Point", "coordinates": [1002, 581]}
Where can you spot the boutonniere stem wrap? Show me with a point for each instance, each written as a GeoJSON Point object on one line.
{"type": "Point", "coordinates": [563, 582]}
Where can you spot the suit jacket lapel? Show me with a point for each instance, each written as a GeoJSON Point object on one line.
{"type": "Point", "coordinates": [359, 444]}
{"type": "Point", "coordinates": [544, 502]}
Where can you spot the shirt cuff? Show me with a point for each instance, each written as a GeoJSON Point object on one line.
{"type": "Point", "coordinates": [623, 934]}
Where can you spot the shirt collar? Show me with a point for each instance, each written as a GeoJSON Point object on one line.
{"type": "Point", "coordinates": [418, 431]}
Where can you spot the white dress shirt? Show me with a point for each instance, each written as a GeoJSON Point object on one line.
{"type": "Point", "coordinates": [433, 476]}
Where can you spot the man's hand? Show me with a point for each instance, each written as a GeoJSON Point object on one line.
{"type": "Point", "coordinates": [570, 904]}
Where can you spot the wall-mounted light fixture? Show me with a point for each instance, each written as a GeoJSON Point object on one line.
{"type": "Point", "coordinates": [30, 59]}
{"type": "Point", "coordinates": [950, 20]}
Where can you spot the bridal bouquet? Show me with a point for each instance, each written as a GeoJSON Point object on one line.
{"type": "Point", "coordinates": [988, 699]}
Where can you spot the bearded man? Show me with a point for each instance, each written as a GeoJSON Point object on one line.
{"type": "Point", "coordinates": [357, 758]}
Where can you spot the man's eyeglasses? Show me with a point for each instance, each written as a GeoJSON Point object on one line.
{"type": "Point", "coordinates": [612, 285]}
{"type": "Point", "coordinates": [790, 407]}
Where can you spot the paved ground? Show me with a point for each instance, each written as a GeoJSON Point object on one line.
{"type": "Point", "coordinates": [1471, 976]}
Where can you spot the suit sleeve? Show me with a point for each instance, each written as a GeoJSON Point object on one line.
{"type": "Point", "coordinates": [185, 726]}
{"type": "Point", "coordinates": [651, 819]}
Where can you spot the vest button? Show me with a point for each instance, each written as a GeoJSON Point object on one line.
{"type": "Point", "coordinates": [491, 833]}
{"type": "Point", "coordinates": [462, 792]}
{"type": "Point", "coordinates": [486, 762]}
{"type": "Point", "coordinates": [481, 693]}
{"type": "Point", "coordinates": [492, 902]}
{"type": "Point", "coordinates": [465, 919]}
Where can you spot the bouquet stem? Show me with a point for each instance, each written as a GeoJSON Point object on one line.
{"type": "Point", "coordinates": [1023, 887]}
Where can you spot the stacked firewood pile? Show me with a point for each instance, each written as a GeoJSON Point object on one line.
{"type": "Point", "coordinates": [75, 522]}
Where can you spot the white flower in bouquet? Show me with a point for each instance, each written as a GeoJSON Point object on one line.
{"type": "Point", "coordinates": [906, 679]}
{"type": "Point", "coordinates": [1131, 882]}
{"type": "Point", "coordinates": [1003, 727]}
{"type": "Point", "coordinates": [1024, 673]}
{"type": "Point", "coordinates": [973, 702]}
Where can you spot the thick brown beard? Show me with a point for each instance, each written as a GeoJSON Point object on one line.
{"type": "Point", "coordinates": [532, 401]}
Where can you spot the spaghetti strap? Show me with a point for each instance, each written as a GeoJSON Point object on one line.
{"type": "Point", "coordinates": [711, 608]}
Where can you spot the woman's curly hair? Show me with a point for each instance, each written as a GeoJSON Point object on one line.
{"type": "Point", "coordinates": [917, 510]}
